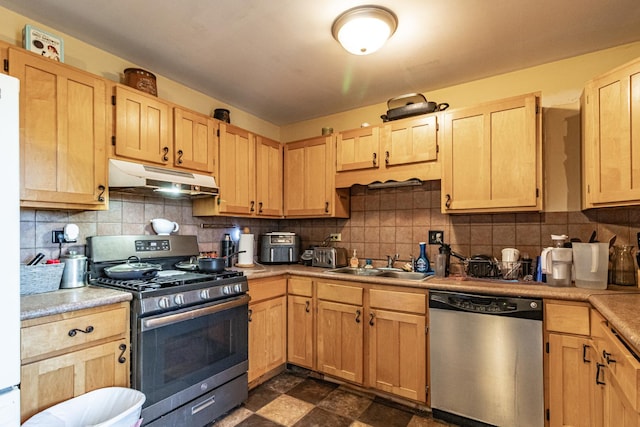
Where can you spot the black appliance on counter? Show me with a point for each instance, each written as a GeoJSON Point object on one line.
{"type": "Point", "coordinates": [189, 330]}
{"type": "Point", "coordinates": [279, 247]}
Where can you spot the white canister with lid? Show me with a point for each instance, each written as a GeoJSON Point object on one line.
{"type": "Point", "coordinates": [75, 271]}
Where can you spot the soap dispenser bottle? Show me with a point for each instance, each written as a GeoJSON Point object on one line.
{"type": "Point", "coordinates": [354, 260]}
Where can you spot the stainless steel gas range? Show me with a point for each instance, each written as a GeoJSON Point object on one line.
{"type": "Point", "coordinates": [189, 330]}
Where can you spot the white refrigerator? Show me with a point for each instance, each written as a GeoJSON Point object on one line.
{"type": "Point", "coordinates": [10, 252]}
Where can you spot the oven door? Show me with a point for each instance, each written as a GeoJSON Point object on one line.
{"type": "Point", "coordinates": [184, 354]}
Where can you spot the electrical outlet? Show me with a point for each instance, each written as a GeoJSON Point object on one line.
{"type": "Point", "coordinates": [57, 236]}
{"type": "Point", "coordinates": [335, 237]}
{"type": "Point", "coordinates": [436, 237]}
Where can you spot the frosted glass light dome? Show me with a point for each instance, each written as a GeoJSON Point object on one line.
{"type": "Point", "coordinates": [364, 30]}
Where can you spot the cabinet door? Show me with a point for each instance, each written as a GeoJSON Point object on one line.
{"type": "Point", "coordinates": [340, 340]}
{"type": "Point", "coordinates": [398, 353]}
{"type": "Point", "coordinates": [269, 174]}
{"type": "Point", "coordinates": [267, 336]}
{"type": "Point", "coordinates": [306, 179]}
{"type": "Point", "coordinates": [195, 141]}
{"type": "Point", "coordinates": [570, 380]}
{"type": "Point", "coordinates": [63, 134]}
{"type": "Point", "coordinates": [492, 157]}
{"type": "Point", "coordinates": [612, 138]}
{"type": "Point", "coordinates": [358, 149]}
{"type": "Point", "coordinates": [57, 379]}
{"type": "Point", "coordinates": [300, 331]}
{"type": "Point", "coordinates": [616, 410]}
{"type": "Point", "coordinates": [410, 141]}
{"type": "Point", "coordinates": [143, 127]}
{"type": "Point", "coordinates": [237, 171]}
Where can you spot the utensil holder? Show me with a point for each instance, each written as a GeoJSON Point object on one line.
{"type": "Point", "coordinates": [37, 279]}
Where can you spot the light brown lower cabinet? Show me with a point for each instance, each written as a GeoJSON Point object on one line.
{"type": "Point", "coordinates": [300, 322]}
{"type": "Point", "coordinates": [571, 380]}
{"type": "Point", "coordinates": [340, 340]}
{"type": "Point", "coordinates": [267, 326]}
{"type": "Point", "coordinates": [66, 355]}
{"type": "Point", "coordinates": [398, 343]}
{"type": "Point", "coordinates": [616, 376]}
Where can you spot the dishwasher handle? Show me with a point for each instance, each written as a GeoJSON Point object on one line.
{"type": "Point", "coordinates": [525, 308]}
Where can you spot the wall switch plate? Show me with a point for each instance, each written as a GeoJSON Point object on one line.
{"type": "Point", "coordinates": [335, 237]}
{"type": "Point", "coordinates": [436, 237]}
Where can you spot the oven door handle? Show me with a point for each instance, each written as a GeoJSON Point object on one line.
{"type": "Point", "coordinates": [158, 322]}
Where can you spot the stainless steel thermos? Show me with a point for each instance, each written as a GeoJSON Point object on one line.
{"type": "Point", "coordinates": [227, 247]}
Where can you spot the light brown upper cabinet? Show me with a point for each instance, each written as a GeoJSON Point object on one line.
{"type": "Point", "coordinates": [611, 138]}
{"type": "Point", "coordinates": [250, 178]}
{"type": "Point", "coordinates": [155, 131]}
{"type": "Point", "coordinates": [358, 149]}
{"type": "Point", "coordinates": [492, 157]}
{"type": "Point", "coordinates": [195, 141]}
{"type": "Point", "coordinates": [63, 134]}
{"type": "Point", "coordinates": [309, 171]}
{"type": "Point", "coordinates": [397, 150]}
{"type": "Point", "coordinates": [143, 128]}
{"type": "Point", "coordinates": [269, 173]}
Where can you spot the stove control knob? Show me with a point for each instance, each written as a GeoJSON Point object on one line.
{"type": "Point", "coordinates": [237, 288]}
{"type": "Point", "coordinates": [226, 290]}
{"type": "Point", "coordinates": [179, 299]}
{"type": "Point", "coordinates": [164, 302]}
{"type": "Point", "coordinates": [204, 294]}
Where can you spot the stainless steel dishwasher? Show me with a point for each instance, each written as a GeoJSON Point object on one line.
{"type": "Point", "coordinates": [486, 359]}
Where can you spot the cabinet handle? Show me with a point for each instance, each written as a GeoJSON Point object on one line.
{"type": "Point", "coordinates": [326, 207]}
{"type": "Point", "coordinates": [250, 313]}
{"type": "Point", "coordinates": [375, 159]}
{"type": "Point", "coordinates": [386, 157]}
{"type": "Point", "coordinates": [253, 206]}
{"type": "Point", "coordinates": [306, 306]}
{"type": "Point", "coordinates": [607, 357]}
{"type": "Point", "coordinates": [123, 348]}
{"type": "Point", "coordinates": [447, 202]}
{"type": "Point", "coordinates": [358, 313]}
{"type": "Point", "coordinates": [599, 370]}
{"type": "Point", "coordinates": [165, 156]}
{"type": "Point", "coordinates": [584, 353]}
{"type": "Point", "coordinates": [74, 331]}
{"type": "Point", "coordinates": [259, 207]}
{"type": "Point", "coordinates": [101, 189]}
{"type": "Point", "coordinates": [180, 154]}
{"type": "Point", "coordinates": [371, 316]}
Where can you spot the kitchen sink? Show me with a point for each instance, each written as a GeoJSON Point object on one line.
{"type": "Point", "coordinates": [356, 271]}
{"type": "Point", "coordinates": [406, 275]}
{"type": "Point", "coordinates": [394, 273]}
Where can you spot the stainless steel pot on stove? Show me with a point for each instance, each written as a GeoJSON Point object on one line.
{"type": "Point", "coordinates": [133, 269]}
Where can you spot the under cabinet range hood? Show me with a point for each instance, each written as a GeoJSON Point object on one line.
{"type": "Point", "coordinates": [157, 181]}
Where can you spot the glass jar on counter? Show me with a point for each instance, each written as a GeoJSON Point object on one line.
{"type": "Point", "coordinates": [623, 266]}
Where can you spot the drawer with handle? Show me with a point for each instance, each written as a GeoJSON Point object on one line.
{"type": "Point", "coordinates": [53, 334]}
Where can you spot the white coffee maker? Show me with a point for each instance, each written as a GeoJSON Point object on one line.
{"type": "Point", "coordinates": [557, 262]}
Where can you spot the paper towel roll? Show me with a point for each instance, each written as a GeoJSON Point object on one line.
{"type": "Point", "coordinates": [245, 259]}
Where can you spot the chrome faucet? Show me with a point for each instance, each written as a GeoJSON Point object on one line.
{"type": "Point", "coordinates": [391, 260]}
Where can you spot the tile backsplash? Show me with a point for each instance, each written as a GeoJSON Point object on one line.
{"type": "Point", "coordinates": [383, 222]}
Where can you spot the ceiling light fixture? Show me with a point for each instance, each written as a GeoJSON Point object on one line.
{"type": "Point", "coordinates": [364, 29]}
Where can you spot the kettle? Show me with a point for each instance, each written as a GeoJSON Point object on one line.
{"type": "Point", "coordinates": [74, 274]}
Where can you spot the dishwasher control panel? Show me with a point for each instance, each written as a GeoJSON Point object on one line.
{"type": "Point", "coordinates": [529, 308]}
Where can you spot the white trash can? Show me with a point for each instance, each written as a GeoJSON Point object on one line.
{"type": "Point", "coordinates": [109, 406]}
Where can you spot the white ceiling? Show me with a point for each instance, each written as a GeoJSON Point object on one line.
{"type": "Point", "coordinates": [277, 59]}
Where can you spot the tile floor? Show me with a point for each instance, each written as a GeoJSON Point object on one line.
{"type": "Point", "coordinates": [295, 399]}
